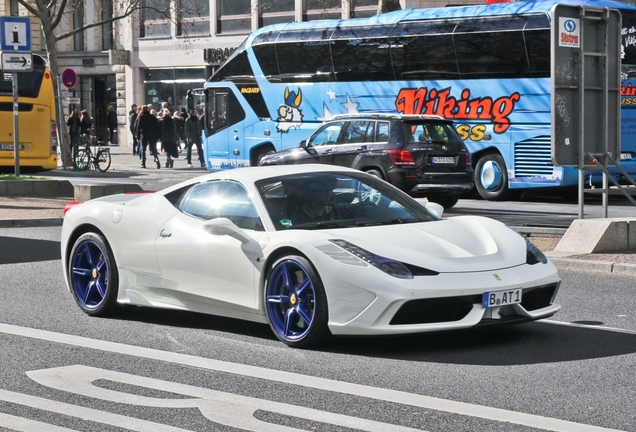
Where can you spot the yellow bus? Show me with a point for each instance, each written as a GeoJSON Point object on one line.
{"type": "Point", "coordinates": [36, 119]}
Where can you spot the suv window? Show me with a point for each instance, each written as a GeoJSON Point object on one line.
{"type": "Point", "coordinates": [431, 133]}
{"type": "Point", "coordinates": [357, 131]}
{"type": "Point", "coordinates": [382, 133]}
{"type": "Point", "coordinates": [328, 134]}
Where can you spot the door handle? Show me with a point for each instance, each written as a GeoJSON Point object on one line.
{"type": "Point", "coordinates": [236, 138]}
{"type": "Point", "coordinates": [327, 151]}
{"type": "Point", "coordinates": [165, 234]}
{"type": "Point", "coordinates": [361, 148]}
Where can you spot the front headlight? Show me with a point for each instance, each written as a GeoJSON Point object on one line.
{"type": "Point", "coordinates": [387, 265]}
{"type": "Point", "coordinates": [533, 254]}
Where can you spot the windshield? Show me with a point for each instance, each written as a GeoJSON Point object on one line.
{"type": "Point", "coordinates": [337, 200]}
{"type": "Point", "coordinates": [418, 132]}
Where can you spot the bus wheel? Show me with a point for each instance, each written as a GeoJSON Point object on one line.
{"type": "Point", "coordinates": [491, 177]}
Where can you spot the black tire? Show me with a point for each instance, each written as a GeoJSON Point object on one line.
{"type": "Point", "coordinates": [103, 160]}
{"type": "Point", "coordinates": [82, 160]}
{"type": "Point", "coordinates": [446, 201]}
{"type": "Point", "coordinates": [491, 177]}
{"type": "Point", "coordinates": [262, 154]}
{"type": "Point", "coordinates": [93, 276]}
{"type": "Point", "coordinates": [298, 318]}
{"type": "Point", "coordinates": [375, 173]}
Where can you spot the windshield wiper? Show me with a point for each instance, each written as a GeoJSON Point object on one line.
{"type": "Point", "coordinates": [396, 221]}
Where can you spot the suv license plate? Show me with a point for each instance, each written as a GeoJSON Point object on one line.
{"type": "Point", "coordinates": [443, 160]}
{"type": "Point", "coordinates": [501, 298]}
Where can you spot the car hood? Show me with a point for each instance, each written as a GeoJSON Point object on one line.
{"type": "Point", "coordinates": [459, 244]}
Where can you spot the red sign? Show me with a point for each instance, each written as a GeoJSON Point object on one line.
{"type": "Point", "coordinates": [69, 78]}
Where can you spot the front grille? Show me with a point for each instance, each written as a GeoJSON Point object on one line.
{"type": "Point", "coordinates": [538, 297]}
{"type": "Point", "coordinates": [533, 157]}
{"type": "Point", "coordinates": [427, 311]}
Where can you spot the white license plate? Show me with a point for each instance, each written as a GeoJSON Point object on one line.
{"type": "Point", "coordinates": [501, 298]}
{"type": "Point", "coordinates": [626, 156]}
{"type": "Point", "coordinates": [443, 160]}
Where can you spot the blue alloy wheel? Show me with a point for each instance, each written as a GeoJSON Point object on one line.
{"type": "Point", "coordinates": [295, 302]}
{"type": "Point", "coordinates": [93, 275]}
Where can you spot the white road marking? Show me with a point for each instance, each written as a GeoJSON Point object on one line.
{"type": "Point", "coordinates": [220, 407]}
{"type": "Point", "coordinates": [590, 327]}
{"type": "Point", "coordinates": [25, 425]}
{"type": "Point", "coordinates": [404, 398]}
{"type": "Point", "coordinates": [89, 414]}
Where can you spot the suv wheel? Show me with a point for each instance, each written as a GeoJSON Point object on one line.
{"type": "Point", "coordinates": [375, 173]}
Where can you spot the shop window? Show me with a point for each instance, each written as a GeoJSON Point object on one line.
{"type": "Point", "coordinates": [276, 11]}
{"type": "Point", "coordinates": [171, 86]}
{"type": "Point", "coordinates": [234, 16]}
{"type": "Point", "coordinates": [107, 29]}
{"type": "Point", "coordinates": [323, 9]}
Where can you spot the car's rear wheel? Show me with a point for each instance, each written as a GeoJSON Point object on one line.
{"type": "Point", "coordinates": [491, 177]}
{"type": "Point", "coordinates": [295, 302]}
{"type": "Point", "coordinates": [446, 201]}
{"type": "Point", "coordinates": [375, 173]}
{"type": "Point", "coordinates": [93, 275]}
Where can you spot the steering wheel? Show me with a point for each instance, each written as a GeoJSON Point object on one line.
{"type": "Point", "coordinates": [366, 205]}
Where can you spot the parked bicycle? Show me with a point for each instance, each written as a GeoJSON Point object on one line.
{"type": "Point", "coordinates": [86, 158]}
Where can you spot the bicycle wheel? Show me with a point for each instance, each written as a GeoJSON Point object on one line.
{"type": "Point", "coordinates": [82, 160]}
{"type": "Point", "coordinates": [102, 160]}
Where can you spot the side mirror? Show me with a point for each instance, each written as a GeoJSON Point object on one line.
{"type": "Point", "coordinates": [224, 226]}
{"type": "Point", "coordinates": [435, 209]}
{"type": "Point", "coordinates": [303, 144]}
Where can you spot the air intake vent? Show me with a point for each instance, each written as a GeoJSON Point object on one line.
{"type": "Point", "coordinates": [533, 157]}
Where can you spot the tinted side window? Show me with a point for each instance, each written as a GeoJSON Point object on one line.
{"type": "Point", "coordinates": [327, 134]}
{"type": "Point", "coordinates": [296, 60]}
{"type": "Point", "coordinates": [238, 65]}
{"type": "Point", "coordinates": [424, 57]}
{"type": "Point", "coordinates": [355, 132]}
{"type": "Point", "coordinates": [362, 60]}
{"type": "Point", "coordinates": [382, 132]}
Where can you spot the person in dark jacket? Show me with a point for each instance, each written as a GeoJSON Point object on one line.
{"type": "Point", "coordinates": [148, 134]}
{"type": "Point", "coordinates": [132, 118]}
{"type": "Point", "coordinates": [179, 125]}
{"type": "Point", "coordinates": [86, 123]}
{"type": "Point", "coordinates": [168, 137]}
{"type": "Point", "coordinates": [73, 124]}
{"type": "Point", "coordinates": [193, 132]}
{"type": "Point", "coordinates": [111, 121]}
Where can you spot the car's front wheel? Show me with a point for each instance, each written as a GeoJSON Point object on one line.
{"type": "Point", "coordinates": [295, 302]}
{"type": "Point", "coordinates": [93, 275]}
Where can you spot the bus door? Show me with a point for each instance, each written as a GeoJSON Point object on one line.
{"type": "Point", "coordinates": [224, 117]}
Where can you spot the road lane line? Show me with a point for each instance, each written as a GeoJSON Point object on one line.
{"type": "Point", "coordinates": [89, 414]}
{"type": "Point", "coordinates": [25, 425]}
{"type": "Point", "coordinates": [387, 395]}
{"type": "Point", "coordinates": [590, 327]}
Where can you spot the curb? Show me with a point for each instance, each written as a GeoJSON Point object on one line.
{"type": "Point", "coordinates": [595, 266]}
{"type": "Point", "coordinates": [31, 223]}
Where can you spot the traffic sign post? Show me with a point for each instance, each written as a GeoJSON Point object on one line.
{"type": "Point", "coordinates": [17, 62]}
{"type": "Point", "coordinates": [15, 47]}
{"type": "Point", "coordinates": [69, 78]}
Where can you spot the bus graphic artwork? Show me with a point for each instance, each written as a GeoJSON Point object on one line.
{"type": "Point", "coordinates": [289, 115]}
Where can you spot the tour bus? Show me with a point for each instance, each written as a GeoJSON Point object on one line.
{"type": "Point", "coordinates": [487, 67]}
{"type": "Point", "coordinates": [36, 119]}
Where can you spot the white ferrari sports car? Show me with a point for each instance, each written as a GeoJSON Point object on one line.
{"type": "Point", "coordinates": [312, 250]}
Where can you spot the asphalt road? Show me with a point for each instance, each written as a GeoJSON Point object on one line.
{"type": "Point", "coordinates": [156, 370]}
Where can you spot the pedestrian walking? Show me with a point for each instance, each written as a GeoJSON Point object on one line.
{"type": "Point", "coordinates": [193, 132]}
{"type": "Point", "coordinates": [168, 137]}
{"type": "Point", "coordinates": [111, 120]}
{"type": "Point", "coordinates": [148, 134]}
{"type": "Point", "coordinates": [132, 118]}
{"type": "Point", "coordinates": [73, 124]}
{"type": "Point", "coordinates": [179, 124]}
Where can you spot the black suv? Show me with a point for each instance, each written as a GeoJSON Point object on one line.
{"type": "Point", "coordinates": [422, 155]}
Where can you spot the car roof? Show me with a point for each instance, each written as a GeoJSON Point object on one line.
{"type": "Point", "coordinates": [388, 116]}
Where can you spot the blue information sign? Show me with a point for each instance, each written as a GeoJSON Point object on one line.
{"type": "Point", "coordinates": [15, 33]}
